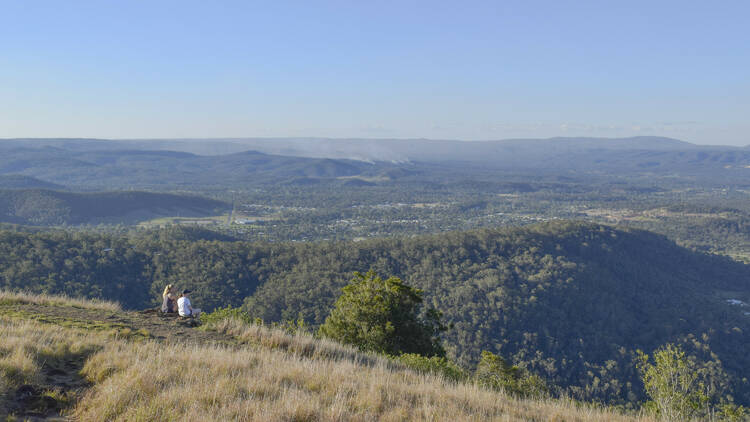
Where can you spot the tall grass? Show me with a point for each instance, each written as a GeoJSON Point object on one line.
{"type": "Point", "coordinates": [60, 300]}
{"type": "Point", "coordinates": [279, 377]}
{"type": "Point", "coordinates": [156, 382]}
{"type": "Point", "coordinates": [299, 343]}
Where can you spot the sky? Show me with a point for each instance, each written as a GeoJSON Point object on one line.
{"type": "Point", "coordinates": [471, 70]}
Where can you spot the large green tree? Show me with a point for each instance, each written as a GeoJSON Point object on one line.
{"type": "Point", "coordinates": [384, 316]}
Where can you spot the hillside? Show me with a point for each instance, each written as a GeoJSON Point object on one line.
{"type": "Point", "coordinates": [570, 301]}
{"type": "Point", "coordinates": [14, 181]}
{"type": "Point", "coordinates": [93, 362]}
{"type": "Point", "coordinates": [48, 207]}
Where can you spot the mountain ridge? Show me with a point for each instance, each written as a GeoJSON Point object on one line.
{"type": "Point", "coordinates": [101, 165]}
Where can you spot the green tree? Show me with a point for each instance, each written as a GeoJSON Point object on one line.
{"type": "Point", "coordinates": [384, 316]}
{"type": "Point", "coordinates": [495, 373]}
{"type": "Point", "coordinates": [673, 381]}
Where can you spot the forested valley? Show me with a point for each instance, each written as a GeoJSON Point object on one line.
{"type": "Point", "coordinates": [571, 302]}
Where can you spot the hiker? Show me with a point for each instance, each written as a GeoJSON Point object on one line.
{"type": "Point", "coordinates": [169, 300]}
{"type": "Point", "coordinates": [185, 308]}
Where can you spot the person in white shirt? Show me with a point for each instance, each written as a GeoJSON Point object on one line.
{"type": "Point", "coordinates": [185, 308]}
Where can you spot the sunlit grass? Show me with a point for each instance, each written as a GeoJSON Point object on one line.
{"type": "Point", "coordinates": [268, 375]}
{"type": "Point", "coordinates": [154, 382]}
{"type": "Point", "coordinates": [59, 300]}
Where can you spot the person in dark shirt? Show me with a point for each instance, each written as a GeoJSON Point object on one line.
{"type": "Point", "coordinates": [169, 300]}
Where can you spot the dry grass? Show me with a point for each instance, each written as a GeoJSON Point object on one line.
{"type": "Point", "coordinates": [27, 346]}
{"type": "Point", "coordinates": [277, 377]}
{"type": "Point", "coordinates": [43, 299]}
{"type": "Point", "coordinates": [270, 377]}
{"type": "Point", "coordinates": [298, 344]}
{"type": "Point", "coordinates": [154, 382]}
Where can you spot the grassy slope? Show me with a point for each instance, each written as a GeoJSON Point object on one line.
{"type": "Point", "coordinates": [93, 362]}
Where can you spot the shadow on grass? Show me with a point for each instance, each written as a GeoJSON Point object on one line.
{"type": "Point", "coordinates": [61, 387]}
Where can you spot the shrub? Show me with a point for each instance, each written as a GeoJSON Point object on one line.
{"type": "Point", "coordinates": [495, 373]}
{"type": "Point", "coordinates": [433, 365]}
{"type": "Point", "coordinates": [228, 312]}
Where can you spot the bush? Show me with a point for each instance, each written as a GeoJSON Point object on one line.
{"type": "Point", "coordinates": [291, 327]}
{"type": "Point", "coordinates": [433, 365]}
{"type": "Point", "coordinates": [495, 373]}
{"type": "Point", "coordinates": [228, 312]}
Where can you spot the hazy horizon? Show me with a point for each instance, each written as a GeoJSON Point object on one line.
{"type": "Point", "coordinates": [357, 139]}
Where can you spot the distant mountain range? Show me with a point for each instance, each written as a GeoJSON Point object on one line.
{"type": "Point", "coordinates": [91, 163]}
{"type": "Point", "coordinates": [103, 169]}
{"type": "Point", "coordinates": [402, 150]}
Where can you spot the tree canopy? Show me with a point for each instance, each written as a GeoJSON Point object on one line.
{"type": "Point", "coordinates": [384, 316]}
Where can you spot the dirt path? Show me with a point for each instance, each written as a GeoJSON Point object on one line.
{"type": "Point", "coordinates": [148, 324]}
{"type": "Point", "coordinates": [63, 384]}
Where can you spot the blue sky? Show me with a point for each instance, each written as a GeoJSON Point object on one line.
{"type": "Point", "coordinates": [448, 70]}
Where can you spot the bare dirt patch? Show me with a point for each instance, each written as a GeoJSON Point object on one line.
{"type": "Point", "coordinates": [140, 324]}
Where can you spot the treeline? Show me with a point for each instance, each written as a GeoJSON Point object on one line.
{"type": "Point", "coordinates": [51, 207]}
{"type": "Point", "coordinates": [570, 302]}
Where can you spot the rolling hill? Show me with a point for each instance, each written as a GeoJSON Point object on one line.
{"type": "Point", "coordinates": [571, 301]}
{"type": "Point", "coordinates": [107, 169]}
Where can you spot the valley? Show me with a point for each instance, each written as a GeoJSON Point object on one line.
{"type": "Point", "coordinates": [567, 274]}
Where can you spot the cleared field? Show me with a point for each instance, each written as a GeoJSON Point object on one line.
{"type": "Point", "coordinates": [165, 221]}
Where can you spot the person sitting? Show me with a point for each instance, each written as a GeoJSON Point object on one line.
{"type": "Point", "coordinates": [169, 300]}
{"type": "Point", "coordinates": [185, 308]}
